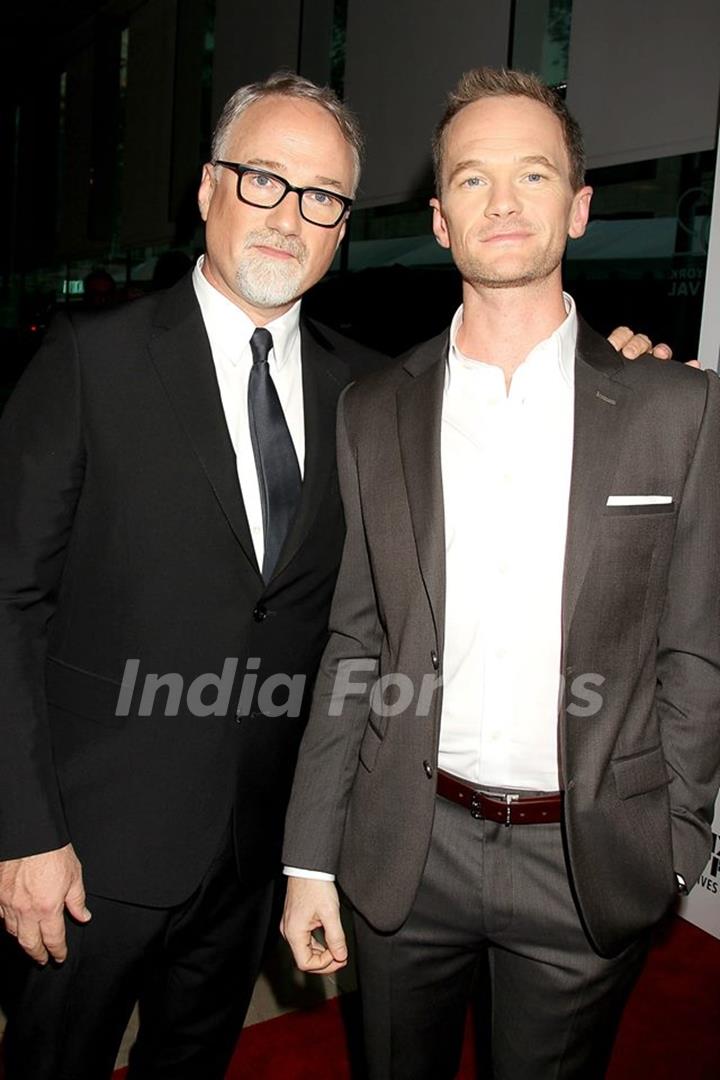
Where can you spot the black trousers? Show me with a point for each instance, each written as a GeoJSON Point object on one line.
{"type": "Point", "coordinates": [192, 968]}
{"type": "Point", "coordinates": [497, 896]}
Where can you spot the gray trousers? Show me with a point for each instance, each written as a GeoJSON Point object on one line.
{"type": "Point", "coordinates": [500, 896]}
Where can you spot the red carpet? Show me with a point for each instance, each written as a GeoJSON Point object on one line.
{"type": "Point", "coordinates": [670, 1028]}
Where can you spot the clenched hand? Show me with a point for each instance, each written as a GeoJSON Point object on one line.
{"type": "Point", "coordinates": [314, 905]}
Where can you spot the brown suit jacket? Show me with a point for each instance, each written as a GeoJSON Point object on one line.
{"type": "Point", "coordinates": [641, 604]}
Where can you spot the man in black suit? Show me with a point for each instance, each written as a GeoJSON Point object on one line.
{"type": "Point", "coordinates": [170, 513]}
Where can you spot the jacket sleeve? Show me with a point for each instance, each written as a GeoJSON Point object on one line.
{"type": "Point", "coordinates": [340, 708]}
{"type": "Point", "coordinates": [688, 654]}
{"type": "Point", "coordinates": [42, 465]}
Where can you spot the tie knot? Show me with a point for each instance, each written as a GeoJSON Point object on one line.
{"type": "Point", "coordinates": [261, 343]}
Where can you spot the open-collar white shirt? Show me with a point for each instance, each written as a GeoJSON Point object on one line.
{"type": "Point", "coordinates": [506, 467]}
{"type": "Point", "coordinates": [229, 331]}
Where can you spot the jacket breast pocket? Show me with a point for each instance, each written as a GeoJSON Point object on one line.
{"type": "Point", "coordinates": [640, 773]}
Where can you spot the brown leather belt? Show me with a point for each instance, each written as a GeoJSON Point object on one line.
{"type": "Point", "coordinates": [507, 810]}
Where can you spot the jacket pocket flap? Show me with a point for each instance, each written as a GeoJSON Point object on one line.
{"type": "Point", "coordinates": [644, 772]}
{"type": "Point", "coordinates": [82, 692]}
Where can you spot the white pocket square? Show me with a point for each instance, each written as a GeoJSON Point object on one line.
{"type": "Point", "coordinates": [638, 500]}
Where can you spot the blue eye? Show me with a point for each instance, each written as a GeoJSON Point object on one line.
{"type": "Point", "coordinates": [534, 177]}
{"type": "Point", "coordinates": [472, 181]}
{"type": "Point", "coordinates": [262, 180]}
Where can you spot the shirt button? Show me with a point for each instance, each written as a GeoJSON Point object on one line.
{"type": "Point", "coordinates": [434, 659]}
{"type": "Point", "coordinates": [428, 769]}
{"type": "Point", "coordinates": [260, 613]}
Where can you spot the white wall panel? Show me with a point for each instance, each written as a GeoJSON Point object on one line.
{"type": "Point", "coordinates": [644, 77]}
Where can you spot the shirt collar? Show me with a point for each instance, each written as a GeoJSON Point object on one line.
{"type": "Point", "coordinates": [230, 328]}
{"type": "Point", "coordinates": [561, 342]}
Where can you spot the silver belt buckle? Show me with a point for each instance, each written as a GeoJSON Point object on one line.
{"type": "Point", "coordinates": [509, 800]}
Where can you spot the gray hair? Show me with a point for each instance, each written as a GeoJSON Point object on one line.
{"type": "Point", "coordinates": [288, 84]}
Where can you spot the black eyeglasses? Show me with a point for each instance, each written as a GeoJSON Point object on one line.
{"type": "Point", "coordinates": [267, 190]}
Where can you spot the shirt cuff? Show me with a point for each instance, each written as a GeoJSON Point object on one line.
{"type": "Point", "coordinates": [318, 875]}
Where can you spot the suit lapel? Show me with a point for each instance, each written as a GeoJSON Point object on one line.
{"type": "Point", "coordinates": [419, 415]}
{"type": "Point", "coordinates": [321, 388]}
{"type": "Point", "coordinates": [180, 351]}
{"type": "Point", "coordinates": [601, 400]}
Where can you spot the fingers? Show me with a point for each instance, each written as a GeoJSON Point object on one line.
{"type": "Point", "coordinates": [53, 937]}
{"type": "Point", "coordinates": [75, 900]}
{"type": "Point", "coordinates": [620, 336]}
{"type": "Point", "coordinates": [313, 957]}
{"type": "Point", "coordinates": [321, 962]}
{"type": "Point", "coordinates": [638, 345]}
{"type": "Point", "coordinates": [693, 363]}
{"type": "Point", "coordinates": [30, 939]}
{"type": "Point", "coordinates": [633, 345]}
{"type": "Point", "coordinates": [335, 938]}
{"type": "Point", "coordinates": [10, 923]}
{"type": "Point", "coordinates": [42, 936]}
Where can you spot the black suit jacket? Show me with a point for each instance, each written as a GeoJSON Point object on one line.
{"type": "Point", "coordinates": [124, 538]}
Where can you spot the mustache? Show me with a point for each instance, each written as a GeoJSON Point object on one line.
{"type": "Point", "coordinates": [269, 238]}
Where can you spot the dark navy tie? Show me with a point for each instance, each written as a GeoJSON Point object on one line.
{"type": "Point", "coordinates": [275, 459]}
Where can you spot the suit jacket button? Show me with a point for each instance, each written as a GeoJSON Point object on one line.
{"type": "Point", "coordinates": [260, 613]}
{"type": "Point", "coordinates": [428, 769]}
{"type": "Point", "coordinates": [434, 659]}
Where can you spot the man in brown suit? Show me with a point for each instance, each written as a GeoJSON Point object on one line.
{"type": "Point", "coordinates": [513, 748]}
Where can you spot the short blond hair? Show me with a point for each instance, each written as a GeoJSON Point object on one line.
{"type": "Point", "coordinates": [485, 82]}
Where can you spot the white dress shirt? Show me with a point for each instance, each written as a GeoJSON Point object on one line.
{"type": "Point", "coordinates": [506, 465]}
{"type": "Point", "coordinates": [229, 330]}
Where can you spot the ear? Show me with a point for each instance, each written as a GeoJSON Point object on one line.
{"type": "Point", "coordinates": [206, 190]}
{"type": "Point", "coordinates": [580, 212]}
{"type": "Point", "coordinates": [439, 225]}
